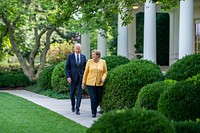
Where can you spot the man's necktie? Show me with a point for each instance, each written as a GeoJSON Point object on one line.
{"type": "Point", "coordinates": [77, 60]}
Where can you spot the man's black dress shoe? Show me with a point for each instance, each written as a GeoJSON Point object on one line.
{"type": "Point", "coordinates": [77, 112]}
{"type": "Point", "coordinates": [93, 115]}
{"type": "Point", "coordinates": [73, 109]}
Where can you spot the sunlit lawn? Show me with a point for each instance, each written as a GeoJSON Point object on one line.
{"type": "Point", "coordinates": [18, 115]}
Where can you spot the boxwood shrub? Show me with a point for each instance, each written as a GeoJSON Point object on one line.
{"type": "Point", "coordinates": [125, 81]}
{"type": "Point", "coordinates": [181, 101]}
{"type": "Point", "coordinates": [132, 121]}
{"type": "Point", "coordinates": [195, 78]}
{"type": "Point", "coordinates": [13, 79]}
{"type": "Point", "coordinates": [44, 79]}
{"type": "Point", "coordinates": [184, 68]}
{"type": "Point", "coordinates": [114, 61]}
{"type": "Point", "coordinates": [187, 126]}
{"type": "Point", "coordinates": [149, 94]}
{"type": "Point", "coordinates": [58, 78]}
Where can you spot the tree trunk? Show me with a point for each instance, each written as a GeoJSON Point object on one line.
{"type": "Point", "coordinates": [29, 67]}
{"type": "Point", "coordinates": [44, 52]}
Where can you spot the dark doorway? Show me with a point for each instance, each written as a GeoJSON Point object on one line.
{"type": "Point", "coordinates": [162, 36]}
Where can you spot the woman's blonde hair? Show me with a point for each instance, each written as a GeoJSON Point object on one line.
{"type": "Point", "coordinates": [97, 52]}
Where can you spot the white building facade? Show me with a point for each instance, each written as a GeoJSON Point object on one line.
{"type": "Point", "coordinates": [184, 38]}
{"type": "Point", "coordinates": [184, 31]}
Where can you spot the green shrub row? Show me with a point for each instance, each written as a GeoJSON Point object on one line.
{"type": "Point", "coordinates": [138, 120]}
{"type": "Point", "coordinates": [132, 120]}
{"type": "Point", "coordinates": [178, 101]}
{"type": "Point", "coordinates": [54, 77]}
{"type": "Point", "coordinates": [176, 98]}
{"type": "Point", "coordinates": [187, 126]}
{"type": "Point", "coordinates": [44, 79]}
{"type": "Point", "coordinates": [125, 81]}
{"type": "Point", "coordinates": [114, 61]}
{"type": "Point", "coordinates": [149, 94]}
{"type": "Point", "coordinates": [184, 68]}
{"type": "Point", "coordinates": [58, 78]}
{"type": "Point", "coordinates": [181, 101]}
{"type": "Point", "coordinates": [13, 79]}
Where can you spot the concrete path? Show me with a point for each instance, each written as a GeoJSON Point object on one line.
{"type": "Point", "coordinates": [62, 107]}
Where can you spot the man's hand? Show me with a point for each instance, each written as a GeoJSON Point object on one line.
{"type": "Point", "coordinates": [83, 86]}
{"type": "Point", "coordinates": [69, 80]}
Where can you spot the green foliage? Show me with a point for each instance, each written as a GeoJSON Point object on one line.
{"type": "Point", "coordinates": [58, 52]}
{"type": "Point", "coordinates": [10, 67]}
{"type": "Point", "coordinates": [47, 92]}
{"type": "Point", "coordinates": [195, 78]}
{"type": "Point", "coordinates": [187, 126]}
{"type": "Point", "coordinates": [125, 81]}
{"type": "Point", "coordinates": [149, 94]}
{"type": "Point", "coordinates": [44, 79]}
{"type": "Point", "coordinates": [114, 61]}
{"type": "Point", "coordinates": [13, 79]}
{"type": "Point", "coordinates": [58, 78]}
{"type": "Point", "coordinates": [11, 75]}
{"type": "Point", "coordinates": [181, 101]}
{"type": "Point", "coordinates": [34, 22]}
{"type": "Point", "coordinates": [132, 121]}
{"type": "Point", "coordinates": [184, 68]}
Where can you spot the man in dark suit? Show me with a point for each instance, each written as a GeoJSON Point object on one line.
{"type": "Point", "coordinates": [75, 66]}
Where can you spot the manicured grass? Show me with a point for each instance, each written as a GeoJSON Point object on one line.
{"type": "Point", "coordinates": [18, 115]}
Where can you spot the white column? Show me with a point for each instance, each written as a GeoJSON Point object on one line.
{"type": "Point", "coordinates": [150, 31]}
{"type": "Point", "coordinates": [186, 28]}
{"type": "Point", "coordinates": [122, 40]}
{"type": "Point", "coordinates": [85, 45]}
{"type": "Point", "coordinates": [132, 38]}
{"type": "Point", "coordinates": [174, 36]}
{"type": "Point", "coordinates": [101, 42]}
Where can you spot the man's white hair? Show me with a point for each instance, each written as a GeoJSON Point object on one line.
{"type": "Point", "coordinates": [77, 44]}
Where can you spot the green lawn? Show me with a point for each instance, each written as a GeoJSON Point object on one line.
{"type": "Point", "coordinates": [18, 115]}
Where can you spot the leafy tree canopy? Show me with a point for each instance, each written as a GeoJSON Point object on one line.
{"type": "Point", "coordinates": [29, 24]}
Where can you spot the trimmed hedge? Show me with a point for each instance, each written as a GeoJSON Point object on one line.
{"type": "Point", "coordinates": [125, 81]}
{"type": "Point", "coordinates": [149, 94]}
{"type": "Point", "coordinates": [114, 61]}
{"type": "Point", "coordinates": [44, 79]}
{"type": "Point", "coordinates": [13, 79]}
{"type": "Point", "coordinates": [58, 78]}
{"type": "Point", "coordinates": [132, 121]}
{"type": "Point", "coordinates": [187, 126]}
{"type": "Point", "coordinates": [184, 68]}
{"type": "Point", "coordinates": [181, 101]}
{"type": "Point", "coordinates": [195, 78]}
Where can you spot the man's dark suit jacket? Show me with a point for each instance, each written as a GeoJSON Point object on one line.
{"type": "Point", "coordinates": [73, 70]}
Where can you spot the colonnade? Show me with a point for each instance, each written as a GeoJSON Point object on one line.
{"type": "Point", "coordinates": [181, 34]}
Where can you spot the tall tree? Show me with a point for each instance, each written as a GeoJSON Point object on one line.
{"type": "Point", "coordinates": [26, 22]}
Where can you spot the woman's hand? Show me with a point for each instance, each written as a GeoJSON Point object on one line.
{"type": "Point", "coordinates": [103, 80]}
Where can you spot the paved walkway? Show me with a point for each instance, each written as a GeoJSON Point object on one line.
{"type": "Point", "coordinates": [62, 107]}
